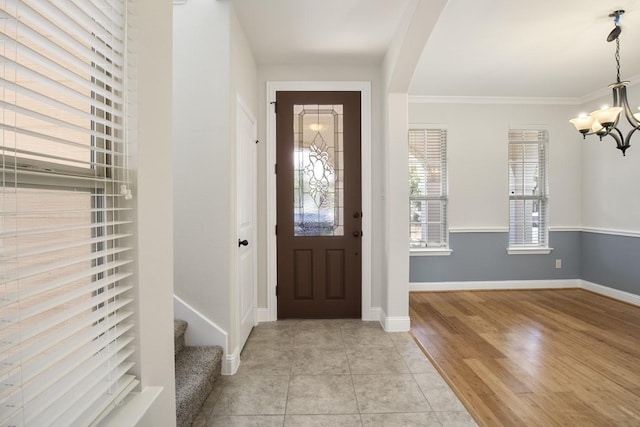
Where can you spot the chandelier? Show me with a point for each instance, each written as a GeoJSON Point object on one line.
{"type": "Point", "coordinates": [604, 121]}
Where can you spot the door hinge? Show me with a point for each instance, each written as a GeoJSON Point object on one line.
{"type": "Point", "coordinates": [276, 230]}
{"type": "Point", "coordinates": [275, 169]}
{"type": "Point", "coordinates": [275, 106]}
{"type": "Point", "coordinates": [276, 290]}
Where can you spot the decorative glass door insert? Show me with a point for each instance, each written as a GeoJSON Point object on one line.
{"type": "Point", "coordinates": [318, 177]}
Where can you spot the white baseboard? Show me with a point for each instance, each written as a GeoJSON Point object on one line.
{"type": "Point", "coordinates": [231, 363]}
{"type": "Point", "coordinates": [201, 331]}
{"type": "Point", "coordinates": [373, 314]}
{"type": "Point", "coordinates": [495, 285]}
{"type": "Point", "coordinates": [526, 284]}
{"type": "Point", "coordinates": [394, 323]}
{"type": "Point", "coordinates": [612, 293]}
{"type": "Point", "coordinates": [262, 315]}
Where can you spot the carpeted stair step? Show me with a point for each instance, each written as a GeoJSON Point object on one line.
{"type": "Point", "coordinates": [197, 368]}
{"type": "Point", "coordinates": [179, 327]}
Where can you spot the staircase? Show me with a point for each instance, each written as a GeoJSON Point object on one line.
{"type": "Point", "coordinates": [196, 370]}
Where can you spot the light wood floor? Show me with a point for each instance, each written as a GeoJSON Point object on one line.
{"type": "Point", "coordinates": [534, 358]}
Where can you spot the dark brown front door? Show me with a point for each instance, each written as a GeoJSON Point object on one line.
{"type": "Point", "coordinates": [319, 204]}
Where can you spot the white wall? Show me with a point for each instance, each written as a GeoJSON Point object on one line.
{"type": "Point", "coordinates": [611, 182]}
{"type": "Point", "coordinates": [395, 290]}
{"type": "Point", "coordinates": [477, 160]}
{"type": "Point", "coordinates": [214, 69]}
{"type": "Point", "coordinates": [244, 71]}
{"type": "Point", "coordinates": [203, 158]}
{"type": "Point", "coordinates": [398, 68]}
{"type": "Point", "coordinates": [152, 164]}
{"type": "Point", "coordinates": [322, 73]}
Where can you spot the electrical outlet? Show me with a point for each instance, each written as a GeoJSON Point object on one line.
{"type": "Point", "coordinates": [558, 263]}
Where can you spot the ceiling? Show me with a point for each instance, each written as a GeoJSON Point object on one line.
{"type": "Point", "coordinates": [320, 31]}
{"type": "Point", "coordinates": [497, 48]}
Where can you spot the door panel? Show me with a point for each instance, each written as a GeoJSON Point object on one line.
{"type": "Point", "coordinates": [303, 274]}
{"type": "Point", "coordinates": [319, 204]}
{"type": "Point", "coordinates": [335, 273]}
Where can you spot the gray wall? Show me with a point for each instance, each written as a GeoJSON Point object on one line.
{"type": "Point", "coordinates": [483, 257]}
{"type": "Point", "coordinates": [612, 261]}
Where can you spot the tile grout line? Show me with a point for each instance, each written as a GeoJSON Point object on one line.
{"type": "Point", "coordinates": [286, 400]}
{"type": "Point", "coordinates": [353, 386]}
{"type": "Point", "coordinates": [413, 375]}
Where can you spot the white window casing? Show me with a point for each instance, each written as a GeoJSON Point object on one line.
{"type": "Point", "coordinates": [428, 194]}
{"type": "Point", "coordinates": [67, 297]}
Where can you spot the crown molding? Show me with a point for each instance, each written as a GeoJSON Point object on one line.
{"type": "Point", "coordinates": [503, 100]}
{"type": "Point", "coordinates": [601, 93]}
{"type": "Point", "coordinates": [515, 100]}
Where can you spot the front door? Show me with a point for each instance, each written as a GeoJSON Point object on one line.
{"type": "Point", "coordinates": [319, 209]}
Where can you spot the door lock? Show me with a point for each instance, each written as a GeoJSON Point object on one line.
{"type": "Point", "coordinates": [243, 242]}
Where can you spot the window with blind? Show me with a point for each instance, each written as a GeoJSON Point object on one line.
{"type": "Point", "coordinates": [528, 194]}
{"type": "Point", "coordinates": [66, 298]}
{"type": "Point", "coordinates": [428, 188]}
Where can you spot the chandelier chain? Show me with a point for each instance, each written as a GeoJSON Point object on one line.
{"type": "Point", "coordinates": [618, 59]}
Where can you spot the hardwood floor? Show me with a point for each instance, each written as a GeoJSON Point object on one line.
{"type": "Point", "coordinates": [534, 358]}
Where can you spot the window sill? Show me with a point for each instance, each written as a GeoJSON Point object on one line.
{"type": "Point", "coordinates": [132, 408]}
{"type": "Point", "coordinates": [529, 251]}
{"type": "Point", "coordinates": [430, 252]}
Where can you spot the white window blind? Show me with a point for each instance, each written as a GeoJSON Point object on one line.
{"type": "Point", "coordinates": [428, 188]}
{"type": "Point", "coordinates": [528, 193]}
{"type": "Point", "coordinates": [66, 297]}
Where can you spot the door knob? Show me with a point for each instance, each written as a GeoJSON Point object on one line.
{"type": "Point", "coordinates": [357, 233]}
{"type": "Point", "coordinates": [243, 242]}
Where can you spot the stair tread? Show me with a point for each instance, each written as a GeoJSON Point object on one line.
{"type": "Point", "coordinates": [179, 328]}
{"type": "Point", "coordinates": [197, 368]}
{"type": "Point", "coordinates": [197, 360]}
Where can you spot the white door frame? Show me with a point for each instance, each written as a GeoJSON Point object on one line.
{"type": "Point", "coordinates": [365, 89]}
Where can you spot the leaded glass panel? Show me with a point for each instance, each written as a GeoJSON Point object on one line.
{"type": "Point", "coordinates": [318, 200]}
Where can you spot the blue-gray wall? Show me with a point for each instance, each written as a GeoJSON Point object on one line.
{"type": "Point", "coordinates": [612, 261]}
{"type": "Point", "coordinates": [604, 259]}
{"type": "Point", "coordinates": [484, 257]}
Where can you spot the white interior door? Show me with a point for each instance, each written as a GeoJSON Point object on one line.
{"type": "Point", "coordinates": [247, 254]}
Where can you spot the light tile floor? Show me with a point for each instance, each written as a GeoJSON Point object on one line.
{"type": "Point", "coordinates": [332, 373]}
